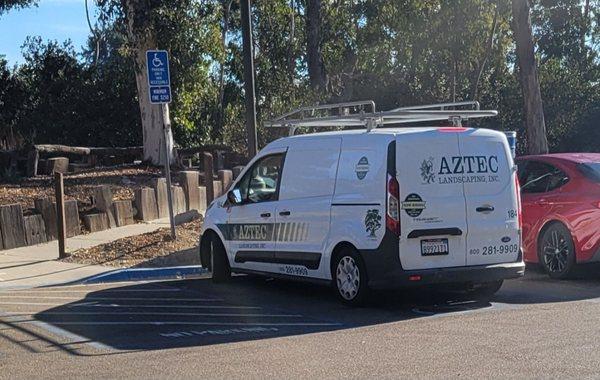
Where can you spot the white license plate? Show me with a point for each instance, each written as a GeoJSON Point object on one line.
{"type": "Point", "coordinates": [434, 247]}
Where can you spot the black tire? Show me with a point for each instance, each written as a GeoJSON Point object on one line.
{"type": "Point", "coordinates": [214, 257]}
{"type": "Point", "coordinates": [350, 279]}
{"type": "Point", "coordinates": [556, 251]}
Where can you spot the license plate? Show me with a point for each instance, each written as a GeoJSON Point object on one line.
{"type": "Point", "coordinates": [434, 247]}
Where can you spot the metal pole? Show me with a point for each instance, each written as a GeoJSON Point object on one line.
{"type": "Point", "coordinates": [166, 127]}
{"type": "Point", "coordinates": [249, 77]}
{"type": "Point", "coordinates": [59, 192]}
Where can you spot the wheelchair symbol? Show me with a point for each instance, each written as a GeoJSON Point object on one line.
{"type": "Point", "coordinates": [156, 62]}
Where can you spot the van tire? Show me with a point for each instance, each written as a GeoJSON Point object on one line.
{"type": "Point", "coordinates": [352, 289]}
{"type": "Point", "coordinates": [217, 263]}
{"type": "Point", "coordinates": [557, 265]}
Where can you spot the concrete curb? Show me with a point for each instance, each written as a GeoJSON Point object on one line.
{"type": "Point", "coordinates": [140, 274]}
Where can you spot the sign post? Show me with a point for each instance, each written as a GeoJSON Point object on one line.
{"type": "Point", "coordinates": [159, 85]}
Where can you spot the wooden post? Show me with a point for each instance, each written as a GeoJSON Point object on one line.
{"type": "Point", "coordinates": [59, 191]}
{"type": "Point", "coordinates": [33, 158]}
{"type": "Point", "coordinates": [208, 177]}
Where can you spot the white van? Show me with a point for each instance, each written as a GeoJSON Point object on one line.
{"type": "Point", "coordinates": [373, 208]}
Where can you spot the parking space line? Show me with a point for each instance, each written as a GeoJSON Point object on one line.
{"type": "Point", "coordinates": [23, 313]}
{"type": "Point", "coordinates": [134, 305]}
{"type": "Point", "coordinates": [91, 291]}
{"type": "Point", "coordinates": [119, 298]}
{"type": "Point", "coordinates": [160, 323]}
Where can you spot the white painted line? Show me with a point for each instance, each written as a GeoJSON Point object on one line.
{"type": "Point", "coordinates": [71, 336]}
{"type": "Point", "coordinates": [85, 304]}
{"type": "Point", "coordinates": [118, 298]}
{"type": "Point", "coordinates": [23, 313]}
{"type": "Point", "coordinates": [65, 334]}
{"type": "Point", "coordinates": [91, 291]}
{"type": "Point", "coordinates": [161, 323]}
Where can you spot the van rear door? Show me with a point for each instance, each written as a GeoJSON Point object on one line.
{"type": "Point", "coordinates": [432, 216]}
{"type": "Point", "coordinates": [491, 199]}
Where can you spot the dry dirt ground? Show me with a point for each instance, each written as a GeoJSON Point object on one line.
{"type": "Point", "coordinates": [122, 179]}
{"type": "Point", "coordinates": [153, 249]}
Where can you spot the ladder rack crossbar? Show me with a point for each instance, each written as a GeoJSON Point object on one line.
{"type": "Point", "coordinates": [432, 112]}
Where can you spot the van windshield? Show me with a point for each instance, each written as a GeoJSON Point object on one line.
{"type": "Point", "coordinates": [591, 170]}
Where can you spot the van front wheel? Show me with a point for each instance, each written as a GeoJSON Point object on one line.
{"type": "Point", "coordinates": [350, 278]}
{"type": "Point", "coordinates": [214, 258]}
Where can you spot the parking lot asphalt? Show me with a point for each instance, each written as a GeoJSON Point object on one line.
{"type": "Point", "coordinates": [255, 327]}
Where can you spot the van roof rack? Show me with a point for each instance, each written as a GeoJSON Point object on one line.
{"type": "Point", "coordinates": [364, 114]}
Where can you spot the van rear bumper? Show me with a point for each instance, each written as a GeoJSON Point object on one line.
{"type": "Point", "coordinates": [471, 274]}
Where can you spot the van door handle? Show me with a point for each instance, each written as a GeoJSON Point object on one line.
{"type": "Point", "coordinates": [284, 213]}
{"type": "Point", "coordinates": [485, 209]}
{"type": "Point", "coordinates": [265, 215]}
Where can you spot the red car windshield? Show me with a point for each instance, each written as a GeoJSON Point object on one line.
{"type": "Point", "coordinates": [591, 170]}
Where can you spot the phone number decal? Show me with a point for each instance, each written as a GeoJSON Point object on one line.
{"type": "Point", "coordinates": [495, 250]}
{"type": "Point", "coordinates": [296, 271]}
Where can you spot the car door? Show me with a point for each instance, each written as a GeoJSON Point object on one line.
{"type": "Point", "coordinates": [540, 184]}
{"type": "Point", "coordinates": [491, 198]}
{"type": "Point", "coordinates": [251, 223]}
{"type": "Point", "coordinates": [304, 207]}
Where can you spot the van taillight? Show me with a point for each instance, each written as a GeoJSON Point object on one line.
{"type": "Point", "coordinates": [519, 207]}
{"type": "Point", "coordinates": [392, 219]}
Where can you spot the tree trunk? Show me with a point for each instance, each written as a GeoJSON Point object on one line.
{"type": "Point", "coordinates": [291, 56]}
{"type": "Point", "coordinates": [142, 38]}
{"type": "Point", "coordinates": [537, 142]}
{"type": "Point", "coordinates": [488, 52]}
{"type": "Point", "coordinates": [316, 68]}
{"type": "Point", "coordinates": [226, 4]}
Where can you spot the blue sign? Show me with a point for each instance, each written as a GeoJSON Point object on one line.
{"type": "Point", "coordinates": [159, 81]}
{"type": "Point", "coordinates": [160, 94]}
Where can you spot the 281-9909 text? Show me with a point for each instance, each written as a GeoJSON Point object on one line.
{"type": "Point", "coordinates": [495, 249]}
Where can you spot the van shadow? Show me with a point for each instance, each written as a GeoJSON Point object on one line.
{"type": "Point", "coordinates": [198, 313]}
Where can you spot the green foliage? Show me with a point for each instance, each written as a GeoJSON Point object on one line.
{"type": "Point", "coordinates": [7, 5]}
{"type": "Point", "coordinates": [394, 52]}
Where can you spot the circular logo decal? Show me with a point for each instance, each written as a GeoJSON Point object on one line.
{"type": "Point", "coordinates": [413, 205]}
{"type": "Point", "coordinates": [362, 168]}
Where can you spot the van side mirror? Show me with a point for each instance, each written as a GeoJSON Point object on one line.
{"type": "Point", "coordinates": [234, 196]}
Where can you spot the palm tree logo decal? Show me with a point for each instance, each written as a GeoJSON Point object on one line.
{"type": "Point", "coordinates": [372, 222]}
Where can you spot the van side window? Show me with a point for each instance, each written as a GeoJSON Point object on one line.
{"type": "Point", "coordinates": [541, 177]}
{"type": "Point", "coordinates": [261, 182]}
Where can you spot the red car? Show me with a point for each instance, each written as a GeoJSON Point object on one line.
{"type": "Point", "coordinates": [560, 194]}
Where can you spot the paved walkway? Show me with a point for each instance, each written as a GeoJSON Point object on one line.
{"type": "Point", "coordinates": [36, 265]}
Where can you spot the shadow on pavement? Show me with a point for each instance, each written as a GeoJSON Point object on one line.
{"type": "Point", "coordinates": [153, 316]}
{"type": "Point", "coordinates": [197, 312]}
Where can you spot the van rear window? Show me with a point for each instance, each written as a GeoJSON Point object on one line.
{"type": "Point", "coordinates": [590, 170]}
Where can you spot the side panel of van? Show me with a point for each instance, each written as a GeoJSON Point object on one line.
{"type": "Point", "coordinates": [492, 213]}
{"type": "Point", "coordinates": [358, 206]}
{"type": "Point", "coordinates": [432, 213]}
{"type": "Point", "coordinates": [303, 210]}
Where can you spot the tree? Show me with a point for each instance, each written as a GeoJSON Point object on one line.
{"type": "Point", "coordinates": [7, 5]}
{"type": "Point", "coordinates": [532, 98]}
{"type": "Point", "coordinates": [141, 35]}
{"type": "Point", "coordinates": [314, 57]}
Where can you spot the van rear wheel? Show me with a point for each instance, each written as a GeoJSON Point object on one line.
{"type": "Point", "coordinates": [350, 278]}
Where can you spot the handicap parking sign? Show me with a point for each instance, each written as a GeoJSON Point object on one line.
{"type": "Point", "coordinates": [159, 81]}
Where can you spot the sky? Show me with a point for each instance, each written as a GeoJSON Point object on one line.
{"type": "Point", "coordinates": [52, 20]}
